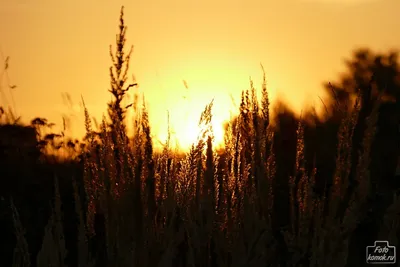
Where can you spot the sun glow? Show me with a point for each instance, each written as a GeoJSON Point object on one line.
{"type": "Point", "coordinates": [192, 132]}
{"type": "Point", "coordinates": [184, 133]}
{"type": "Point", "coordinates": [184, 118]}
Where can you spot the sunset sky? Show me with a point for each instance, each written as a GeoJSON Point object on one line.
{"type": "Point", "coordinates": [214, 45]}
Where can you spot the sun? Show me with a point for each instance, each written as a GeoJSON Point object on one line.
{"type": "Point", "coordinates": [185, 130]}
{"type": "Point", "coordinates": [187, 135]}
{"type": "Point", "coordinates": [184, 109]}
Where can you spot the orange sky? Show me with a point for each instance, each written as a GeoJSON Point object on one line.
{"type": "Point", "coordinates": [215, 45]}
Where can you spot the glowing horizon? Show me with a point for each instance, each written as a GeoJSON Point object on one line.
{"type": "Point", "coordinates": [214, 45]}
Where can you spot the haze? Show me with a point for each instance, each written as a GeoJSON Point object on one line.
{"type": "Point", "coordinates": [215, 46]}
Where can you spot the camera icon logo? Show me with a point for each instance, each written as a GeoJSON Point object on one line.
{"type": "Point", "coordinates": [381, 253]}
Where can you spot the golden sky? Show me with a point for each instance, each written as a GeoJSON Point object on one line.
{"type": "Point", "coordinates": [215, 45]}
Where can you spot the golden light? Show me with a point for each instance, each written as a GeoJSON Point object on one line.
{"type": "Point", "coordinates": [189, 135]}
{"type": "Point", "coordinates": [185, 109]}
{"type": "Point", "coordinates": [185, 129]}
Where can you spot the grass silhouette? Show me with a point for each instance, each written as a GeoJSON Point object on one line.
{"type": "Point", "coordinates": [277, 194]}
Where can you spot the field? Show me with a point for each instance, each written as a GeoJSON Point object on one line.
{"type": "Point", "coordinates": [282, 191]}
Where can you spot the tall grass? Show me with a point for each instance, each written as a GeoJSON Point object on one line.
{"type": "Point", "coordinates": [206, 208]}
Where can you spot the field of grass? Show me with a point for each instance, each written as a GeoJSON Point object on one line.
{"type": "Point", "coordinates": [284, 191]}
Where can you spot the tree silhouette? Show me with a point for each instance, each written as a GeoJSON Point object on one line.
{"type": "Point", "coordinates": [370, 74]}
{"type": "Point", "coordinates": [375, 78]}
